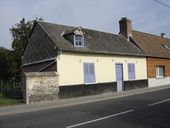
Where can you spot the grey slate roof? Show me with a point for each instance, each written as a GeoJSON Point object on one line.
{"type": "Point", "coordinates": [47, 41]}
{"type": "Point", "coordinates": [95, 41]}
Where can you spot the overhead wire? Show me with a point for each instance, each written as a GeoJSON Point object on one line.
{"type": "Point", "coordinates": [162, 3]}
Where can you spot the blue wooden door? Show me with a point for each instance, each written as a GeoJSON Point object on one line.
{"type": "Point", "coordinates": [119, 77]}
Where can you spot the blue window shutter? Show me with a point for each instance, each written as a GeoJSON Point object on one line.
{"type": "Point", "coordinates": [86, 72]}
{"type": "Point", "coordinates": [131, 71]}
{"type": "Point", "coordinates": [91, 67]}
{"type": "Point", "coordinates": [92, 73]}
{"type": "Point", "coordinates": [89, 73]}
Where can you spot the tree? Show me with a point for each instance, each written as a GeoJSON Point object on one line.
{"type": "Point", "coordinates": [6, 63]}
{"type": "Point", "coordinates": [20, 34]}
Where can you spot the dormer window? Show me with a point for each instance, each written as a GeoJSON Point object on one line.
{"type": "Point", "coordinates": [75, 36]}
{"type": "Point", "coordinates": [78, 40]}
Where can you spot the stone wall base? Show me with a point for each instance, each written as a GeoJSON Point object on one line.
{"type": "Point", "coordinates": [92, 89]}
{"type": "Point", "coordinates": [83, 90]}
{"type": "Point", "coordinates": [129, 85]}
{"type": "Point", "coordinates": [41, 86]}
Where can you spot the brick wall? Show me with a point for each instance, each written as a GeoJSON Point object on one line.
{"type": "Point", "coordinates": [153, 62]}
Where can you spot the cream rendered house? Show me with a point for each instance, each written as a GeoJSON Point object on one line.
{"type": "Point", "coordinates": [87, 61]}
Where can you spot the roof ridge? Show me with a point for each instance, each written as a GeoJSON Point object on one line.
{"type": "Point", "coordinates": [150, 34]}
{"type": "Point", "coordinates": [77, 26]}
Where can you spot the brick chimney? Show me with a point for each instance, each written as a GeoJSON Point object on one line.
{"type": "Point", "coordinates": [125, 26]}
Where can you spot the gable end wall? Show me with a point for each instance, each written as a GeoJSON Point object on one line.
{"type": "Point", "coordinates": [40, 47]}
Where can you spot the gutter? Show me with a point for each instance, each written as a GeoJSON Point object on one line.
{"type": "Point", "coordinates": [104, 53]}
{"type": "Point", "coordinates": [41, 61]}
{"type": "Point", "coordinates": [47, 66]}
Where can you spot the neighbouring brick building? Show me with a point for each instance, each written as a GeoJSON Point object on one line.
{"type": "Point", "coordinates": [157, 50]}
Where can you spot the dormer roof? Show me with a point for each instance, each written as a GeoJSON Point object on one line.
{"type": "Point", "coordinates": [77, 31]}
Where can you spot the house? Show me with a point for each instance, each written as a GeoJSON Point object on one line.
{"type": "Point", "coordinates": [87, 61]}
{"type": "Point", "coordinates": [157, 49]}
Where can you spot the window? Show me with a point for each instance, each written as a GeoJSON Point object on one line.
{"type": "Point", "coordinates": [160, 71]}
{"type": "Point", "coordinates": [131, 71]}
{"type": "Point", "coordinates": [89, 73]}
{"type": "Point", "coordinates": [78, 40]}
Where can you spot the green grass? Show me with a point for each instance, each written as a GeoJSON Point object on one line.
{"type": "Point", "coordinates": [7, 101]}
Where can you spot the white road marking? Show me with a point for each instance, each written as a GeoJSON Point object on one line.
{"type": "Point", "coordinates": [103, 118]}
{"type": "Point", "coordinates": [158, 102]}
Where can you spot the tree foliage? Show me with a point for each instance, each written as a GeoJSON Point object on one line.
{"type": "Point", "coordinates": [20, 34]}
{"type": "Point", "coordinates": [10, 60]}
{"type": "Point", "coordinates": [6, 63]}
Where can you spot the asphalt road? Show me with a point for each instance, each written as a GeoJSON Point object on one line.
{"type": "Point", "coordinates": [148, 110]}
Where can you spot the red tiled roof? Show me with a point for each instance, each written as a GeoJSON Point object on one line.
{"type": "Point", "coordinates": [152, 45]}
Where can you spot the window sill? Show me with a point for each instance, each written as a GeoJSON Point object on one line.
{"type": "Point", "coordinates": [160, 77]}
{"type": "Point", "coordinates": [79, 46]}
{"type": "Point", "coordinates": [132, 80]}
{"type": "Point", "coordinates": [89, 83]}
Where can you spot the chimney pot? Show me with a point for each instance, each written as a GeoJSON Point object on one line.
{"type": "Point", "coordinates": [163, 35]}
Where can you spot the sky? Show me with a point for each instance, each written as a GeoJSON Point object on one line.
{"type": "Point", "coordinates": [103, 15]}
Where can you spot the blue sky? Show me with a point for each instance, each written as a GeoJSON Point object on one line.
{"type": "Point", "coordinates": [104, 15]}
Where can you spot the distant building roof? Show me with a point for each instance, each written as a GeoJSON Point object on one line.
{"type": "Point", "coordinates": [152, 45]}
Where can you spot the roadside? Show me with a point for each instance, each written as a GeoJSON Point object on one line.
{"type": "Point", "coordinates": [74, 101]}
{"type": "Point", "coordinates": [5, 101]}
{"type": "Point", "coordinates": [8, 101]}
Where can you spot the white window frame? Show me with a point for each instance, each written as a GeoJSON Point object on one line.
{"type": "Point", "coordinates": [158, 71]}
{"type": "Point", "coordinates": [79, 42]}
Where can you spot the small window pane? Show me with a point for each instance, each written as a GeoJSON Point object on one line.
{"type": "Point", "coordinates": [78, 40]}
{"type": "Point", "coordinates": [160, 71]}
{"type": "Point", "coordinates": [86, 68]}
{"type": "Point", "coordinates": [91, 68]}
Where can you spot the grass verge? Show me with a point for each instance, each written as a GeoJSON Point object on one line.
{"type": "Point", "coordinates": [7, 101]}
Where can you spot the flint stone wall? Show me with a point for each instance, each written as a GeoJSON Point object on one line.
{"type": "Point", "coordinates": [41, 86]}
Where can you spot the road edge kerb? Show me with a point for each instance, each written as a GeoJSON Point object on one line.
{"type": "Point", "coordinates": [36, 106]}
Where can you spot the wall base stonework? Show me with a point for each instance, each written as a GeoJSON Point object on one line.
{"type": "Point", "coordinates": [84, 90]}
{"type": "Point", "coordinates": [129, 85]}
{"type": "Point", "coordinates": [154, 82]}
{"type": "Point", "coordinates": [41, 86]}
{"type": "Point", "coordinates": [92, 89]}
